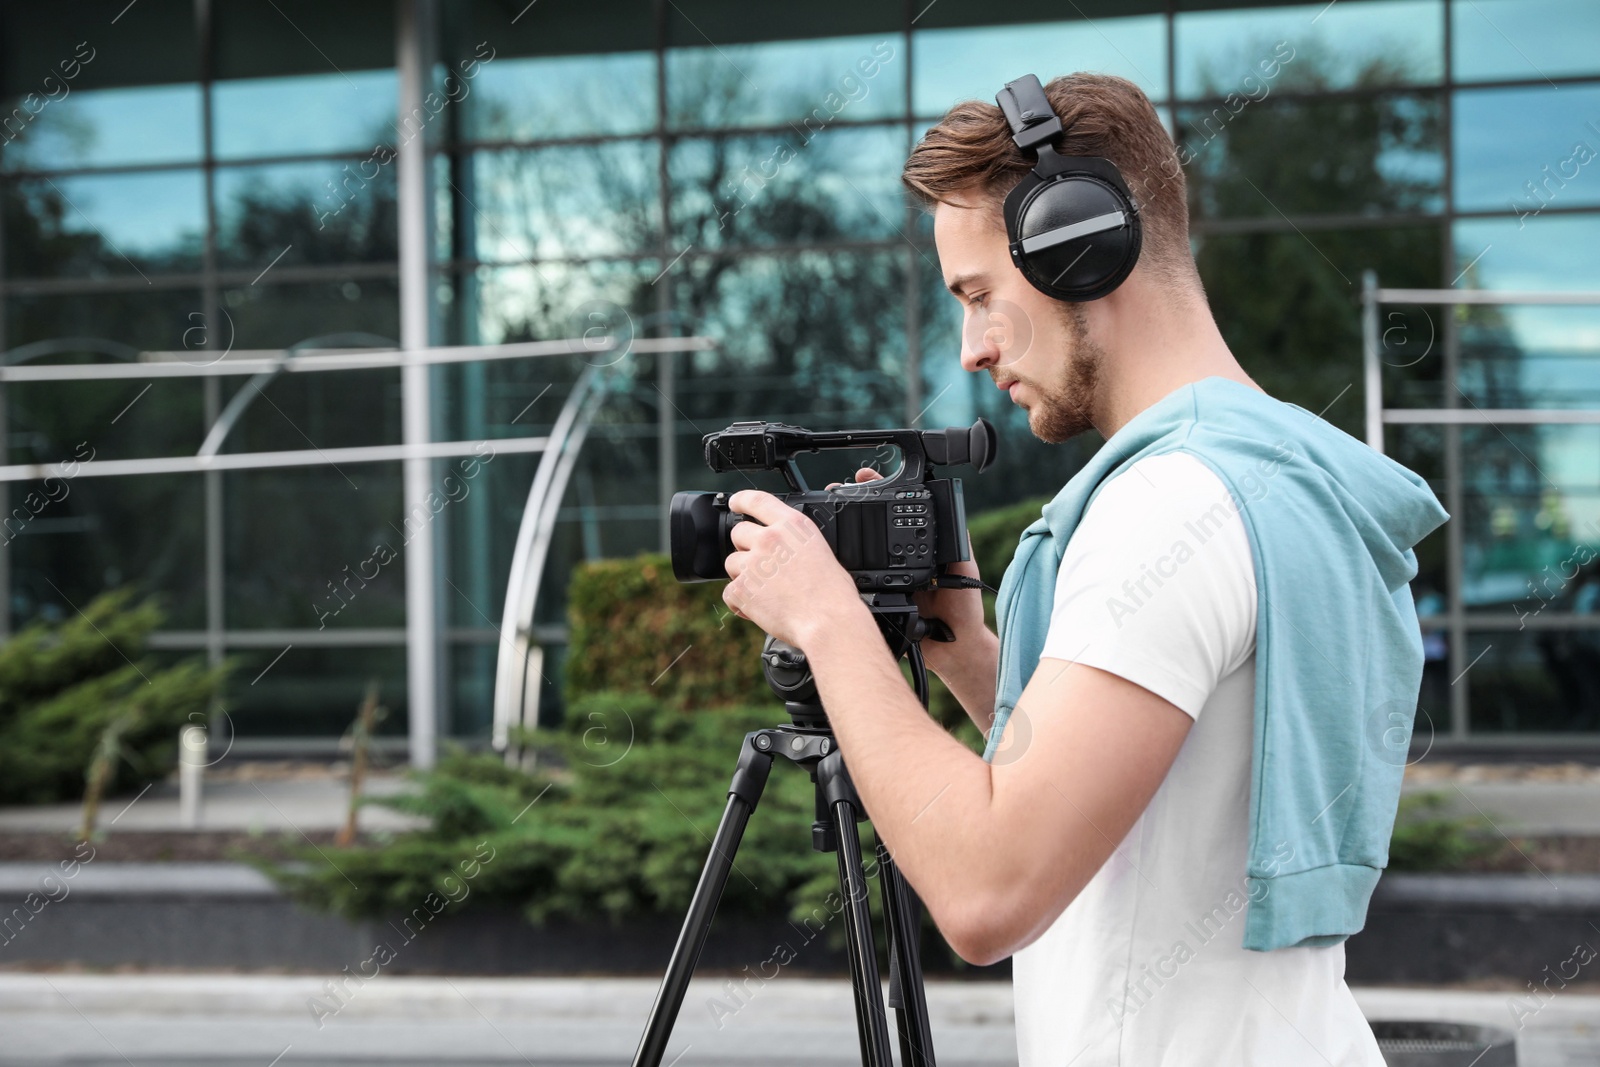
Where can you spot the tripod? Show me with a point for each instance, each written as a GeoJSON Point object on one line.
{"type": "Point", "coordinates": [807, 740]}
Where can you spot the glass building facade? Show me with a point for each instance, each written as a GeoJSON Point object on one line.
{"type": "Point", "coordinates": [218, 176]}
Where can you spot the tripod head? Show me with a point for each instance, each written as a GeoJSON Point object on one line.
{"type": "Point", "coordinates": [789, 674]}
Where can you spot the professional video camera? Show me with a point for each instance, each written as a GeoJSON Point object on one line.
{"type": "Point", "coordinates": [891, 534]}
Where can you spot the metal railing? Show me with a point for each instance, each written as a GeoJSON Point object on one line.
{"type": "Point", "coordinates": [516, 700]}
{"type": "Point", "coordinates": [1454, 415]}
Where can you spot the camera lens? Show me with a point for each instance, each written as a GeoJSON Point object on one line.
{"type": "Point", "coordinates": [700, 543]}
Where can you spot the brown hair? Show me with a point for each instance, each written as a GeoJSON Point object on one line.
{"type": "Point", "coordinates": [970, 150]}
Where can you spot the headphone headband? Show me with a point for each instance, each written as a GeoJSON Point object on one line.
{"type": "Point", "coordinates": [1033, 121]}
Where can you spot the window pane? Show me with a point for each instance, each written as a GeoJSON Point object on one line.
{"type": "Point", "coordinates": [1313, 46]}
{"type": "Point", "coordinates": [124, 322]}
{"type": "Point", "coordinates": [1411, 355]}
{"type": "Point", "coordinates": [327, 409]}
{"type": "Point", "coordinates": [1532, 502]}
{"type": "Point", "coordinates": [52, 422]}
{"type": "Point", "coordinates": [974, 63]}
{"type": "Point", "coordinates": [308, 212]}
{"type": "Point", "coordinates": [304, 115]}
{"type": "Point", "coordinates": [104, 128]}
{"type": "Point", "coordinates": [562, 96]}
{"type": "Point", "coordinates": [776, 188]}
{"type": "Point", "coordinates": [268, 316]}
{"type": "Point", "coordinates": [1551, 252]}
{"type": "Point", "coordinates": [1534, 681]}
{"type": "Point", "coordinates": [482, 534]}
{"type": "Point", "coordinates": [303, 37]}
{"type": "Point", "coordinates": [1531, 356]}
{"type": "Point", "coordinates": [811, 338]}
{"type": "Point", "coordinates": [154, 42]}
{"type": "Point", "coordinates": [314, 692]}
{"type": "Point", "coordinates": [1287, 305]}
{"type": "Point", "coordinates": [1353, 155]}
{"type": "Point", "coordinates": [612, 495]}
{"type": "Point", "coordinates": [97, 225]}
{"type": "Point", "coordinates": [517, 30]}
{"type": "Point", "coordinates": [543, 302]}
{"type": "Point", "coordinates": [1517, 39]}
{"type": "Point", "coordinates": [97, 535]}
{"type": "Point", "coordinates": [1525, 149]}
{"type": "Point", "coordinates": [701, 22]}
{"type": "Point", "coordinates": [472, 669]}
{"type": "Point", "coordinates": [814, 83]}
{"type": "Point", "coordinates": [579, 200]}
{"type": "Point", "coordinates": [314, 547]}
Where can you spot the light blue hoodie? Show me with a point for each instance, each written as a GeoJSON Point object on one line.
{"type": "Point", "coordinates": [1331, 524]}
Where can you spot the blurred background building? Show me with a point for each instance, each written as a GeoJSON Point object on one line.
{"type": "Point", "coordinates": [207, 177]}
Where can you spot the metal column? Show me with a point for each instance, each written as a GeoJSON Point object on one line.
{"type": "Point", "coordinates": [422, 631]}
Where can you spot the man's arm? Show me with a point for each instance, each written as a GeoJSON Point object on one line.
{"type": "Point", "coordinates": [968, 670]}
{"type": "Point", "coordinates": [995, 852]}
{"type": "Point", "coordinates": [968, 665]}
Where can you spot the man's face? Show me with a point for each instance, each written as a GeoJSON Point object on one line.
{"type": "Point", "coordinates": [1037, 346]}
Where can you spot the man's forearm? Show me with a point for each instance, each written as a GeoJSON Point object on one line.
{"type": "Point", "coordinates": [969, 674]}
{"type": "Point", "coordinates": [928, 795]}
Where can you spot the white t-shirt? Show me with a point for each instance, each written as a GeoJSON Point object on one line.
{"type": "Point", "coordinates": [1145, 967]}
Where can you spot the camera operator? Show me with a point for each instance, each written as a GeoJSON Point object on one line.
{"type": "Point", "coordinates": [1184, 802]}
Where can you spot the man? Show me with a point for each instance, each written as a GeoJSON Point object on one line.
{"type": "Point", "coordinates": [1143, 834]}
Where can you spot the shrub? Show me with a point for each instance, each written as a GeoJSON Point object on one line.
{"type": "Point", "coordinates": [62, 685]}
{"type": "Point", "coordinates": [1425, 839]}
{"type": "Point", "coordinates": [634, 628]}
{"type": "Point", "coordinates": [621, 832]}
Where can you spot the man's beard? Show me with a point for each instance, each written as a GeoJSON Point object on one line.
{"type": "Point", "coordinates": [1064, 407]}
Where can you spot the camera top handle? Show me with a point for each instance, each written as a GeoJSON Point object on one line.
{"type": "Point", "coordinates": [775, 445]}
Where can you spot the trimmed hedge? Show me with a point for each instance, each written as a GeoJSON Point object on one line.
{"type": "Point", "coordinates": [636, 629]}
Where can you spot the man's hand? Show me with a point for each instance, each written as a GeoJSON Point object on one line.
{"type": "Point", "coordinates": [786, 579]}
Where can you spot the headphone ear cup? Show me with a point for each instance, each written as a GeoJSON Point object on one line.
{"type": "Point", "coordinates": [1078, 268]}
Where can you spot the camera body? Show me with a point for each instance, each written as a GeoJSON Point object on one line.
{"type": "Point", "coordinates": [891, 534]}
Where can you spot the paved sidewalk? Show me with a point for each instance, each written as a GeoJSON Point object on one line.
{"type": "Point", "coordinates": [238, 795]}
{"type": "Point", "coordinates": [1519, 798]}
{"type": "Point", "coordinates": [103, 1020]}
{"type": "Point", "coordinates": [228, 803]}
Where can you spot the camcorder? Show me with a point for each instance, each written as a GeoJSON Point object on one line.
{"type": "Point", "coordinates": [893, 534]}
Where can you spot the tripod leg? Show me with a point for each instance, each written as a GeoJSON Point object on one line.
{"type": "Point", "coordinates": [872, 1024]}
{"type": "Point", "coordinates": [903, 915]}
{"type": "Point", "coordinates": [749, 778]}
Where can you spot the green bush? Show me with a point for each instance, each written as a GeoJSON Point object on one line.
{"type": "Point", "coordinates": [62, 685]}
{"type": "Point", "coordinates": [1425, 839]}
{"type": "Point", "coordinates": [634, 628]}
{"type": "Point", "coordinates": [620, 831]}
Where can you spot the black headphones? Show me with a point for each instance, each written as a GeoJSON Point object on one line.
{"type": "Point", "coordinates": [1073, 226]}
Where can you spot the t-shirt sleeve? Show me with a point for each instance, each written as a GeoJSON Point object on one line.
{"type": "Point", "coordinates": [1157, 584]}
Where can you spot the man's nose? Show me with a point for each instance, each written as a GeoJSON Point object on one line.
{"type": "Point", "coordinates": [979, 341]}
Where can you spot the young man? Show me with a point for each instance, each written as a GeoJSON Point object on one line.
{"type": "Point", "coordinates": [1188, 788]}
